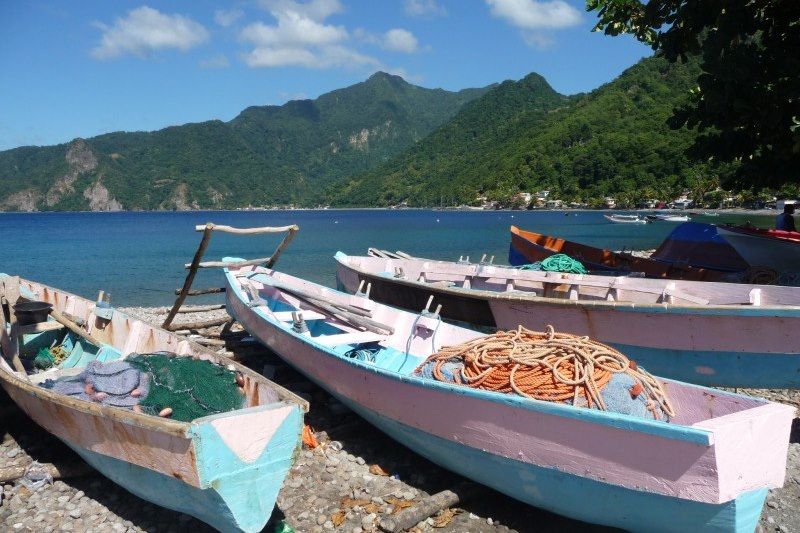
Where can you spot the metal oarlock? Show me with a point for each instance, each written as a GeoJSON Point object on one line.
{"type": "Point", "coordinates": [463, 260]}
{"type": "Point", "coordinates": [427, 311]}
{"type": "Point", "coordinates": [361, 292]}
{"type": "Point", "coordinates": [298, 323]}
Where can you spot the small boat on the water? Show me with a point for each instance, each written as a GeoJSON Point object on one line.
{"type": "Point", "coordinates": [625, 219]}
{"type": "Point", "coordinates": [708, 469]}
{"type": "Point", "coordinates": [225, 469]}
{"type": "Point", "coordinates": [668, 218]}
{"type": "Point", "coordinates": [721, 334]}
{"type": "Point", "coordinates": [766, 248]}
{"type": "Point", "coordinates": [528, 247]}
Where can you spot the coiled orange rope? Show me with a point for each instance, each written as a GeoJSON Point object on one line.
{"type": "Point", "coordinates": [548, 366]}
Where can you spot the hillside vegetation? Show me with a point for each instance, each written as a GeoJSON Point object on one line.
{"type": "Point", "coordinates": [266, 155]}
{"type": "Point", "coordinates": [386, 142]}
{"type": "Point", "coordinates": [523, 136]}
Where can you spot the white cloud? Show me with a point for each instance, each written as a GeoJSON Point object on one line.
{"type": "Point", "coordinates": [145, 30]}
{"type": "Point", "coordinates": [400, 40]}
{"type": "Point", "coordinates": [217, 61]}
{"type": "Point", "coordinates": [536, 18]}
{"type": "Point", "coordinates": [227, 17]}
{"type": "Point", "coordinates": [424, 8]}
{"type": "Point", "coordinates": [301, 37]}
{"type": "Point", "coordinates": [315, 9]}
{"type": "Point", "coordinates": [536, 15]}
{"type": "Point", "coordinates": [396, 40]}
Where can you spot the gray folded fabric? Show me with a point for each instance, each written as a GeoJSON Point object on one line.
{"type": "Point", "coordinates": [111, 383]}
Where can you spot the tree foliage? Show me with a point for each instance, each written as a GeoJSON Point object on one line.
{"type": "Point", "coordinates": [746, 104]}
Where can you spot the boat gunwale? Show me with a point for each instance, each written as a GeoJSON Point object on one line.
{"type": "Point", "coordinates": [521, 296]}
{"type": "Point", "coordinates": [132, 418]}
{"type": "Point", "coordinates": [680, 432]}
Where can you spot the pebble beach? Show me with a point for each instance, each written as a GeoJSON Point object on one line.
{"type": "Point", "coordinates": [355, 478]}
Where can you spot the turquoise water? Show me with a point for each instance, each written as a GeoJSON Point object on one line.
{"type": "Point", "coordinates": [139, 257]}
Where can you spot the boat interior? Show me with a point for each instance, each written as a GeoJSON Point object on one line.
{"type": "Point", "coordinates": [413, 336]}
{"type": "Point", "coordinates": [580, 287]}
{"type": "Point", "coordinates": [118, 336]}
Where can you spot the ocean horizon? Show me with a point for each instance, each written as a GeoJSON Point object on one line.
{"type": "Point", "coordinates": [138, 256]}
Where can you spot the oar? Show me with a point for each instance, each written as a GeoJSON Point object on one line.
{"type": "Point", "coordinates": [343, 311]}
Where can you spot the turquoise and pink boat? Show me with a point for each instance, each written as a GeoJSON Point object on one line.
{"type": "Point", "coordinates": [709, 333]}
{"type": "Point", "coordinates": [709, 469]}
{"type": "Point", "coordinates": [225, 469]}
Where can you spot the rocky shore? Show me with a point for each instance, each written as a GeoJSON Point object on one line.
{"type": "Point", "coordinates": [355, 478]}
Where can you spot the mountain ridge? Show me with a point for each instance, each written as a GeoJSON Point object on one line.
{"type": "Point", "coordinates": [266, 154]}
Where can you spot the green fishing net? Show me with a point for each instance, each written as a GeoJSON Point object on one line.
{"type": "Point", "coordinates": [192, 388]}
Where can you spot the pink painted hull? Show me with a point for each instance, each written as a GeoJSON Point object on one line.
{"type": "Point", "coordinates": [744, 447]}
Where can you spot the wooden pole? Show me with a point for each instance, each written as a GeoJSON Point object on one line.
{"type": "Point", "coordinates": [249, 231]}
{"type": "Point", "coordinates": [199, 292]}
{"type": "Point", "coordinates": [198, 256]}
{"type": "Point", "coordinates": [408, 518]}
{"type": "Point", "coordinates": [200, 324]}
{"type": "Point", "coordinates": [75, 328]}
{"type": "Point", "coordinates": [340, 310]}
{"type": "Point", "coordinates": [282, 246]}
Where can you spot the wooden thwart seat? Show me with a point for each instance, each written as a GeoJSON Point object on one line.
{"type": "Point", "coordinates": [356, 337]}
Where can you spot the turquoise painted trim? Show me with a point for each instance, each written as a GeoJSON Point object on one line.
{"type": "Point", "coordinates": [615, 420]}
{"type": "Point", "coordinates": [249, 490]}
{"type": "Point", "coordinates": [575, 496]}
{"type": "Point", "coordinates": [731, 369]}
{"type": "Point", "coordinates": [165, 491]}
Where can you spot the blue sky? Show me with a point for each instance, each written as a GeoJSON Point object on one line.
{"type": "Point", "coordinates": [83, 68]}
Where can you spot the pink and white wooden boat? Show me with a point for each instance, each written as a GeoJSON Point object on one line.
{"type": "Point", "coordinates": [722, 334]}
{"type": "Point", "coordinates": [707, 470]}
{"type": "Point", "coordinates": [225, 469]}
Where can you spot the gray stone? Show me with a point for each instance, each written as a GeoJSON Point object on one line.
{"type": "Point", "coordinates": [368, 521]}
{"type": "Point", "coordinates": [13, 452]}
{"type": "Point", "coordinates": [321, 519]}
{"type": "Point", "coordinates": [75, 513]}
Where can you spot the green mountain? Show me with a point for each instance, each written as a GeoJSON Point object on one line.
{"type": "Point", "coordinates": [523, 136]}
{"type": "Point", "coordinates": [266, 155]}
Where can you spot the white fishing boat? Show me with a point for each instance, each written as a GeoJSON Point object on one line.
{"type": "Point", "coordinates": [625, 219]}
{"type": "Point", "coordinates": [668, 218]}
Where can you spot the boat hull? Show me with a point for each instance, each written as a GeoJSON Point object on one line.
{"type": "Point", "coordinates": [782, 255]}
{"type": "Point", "coordinates": [205, 473]}
{"type": "Point", "coordinates": [459, 307]}
{"type": "Point", "coordinates": [528, 247]}
{"type": "Point", "coordinates": [225, 469]}
{"type": "Point", "coordinates": [741, 347]}
{"type": "Point", "coordinates": [667, 485]}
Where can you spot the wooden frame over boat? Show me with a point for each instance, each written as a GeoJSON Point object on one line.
{"type": "Point", "coordinates": [529, 247]}
{"type": "Point", "coordinates": [724, 334]}
{"type": "Point", "coordinates": [708, 470]}
{"type": "Point", "coordinates": [224, 469]}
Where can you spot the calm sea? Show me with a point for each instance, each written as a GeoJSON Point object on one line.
{"type": "Point", "coordinates": [139, 257]}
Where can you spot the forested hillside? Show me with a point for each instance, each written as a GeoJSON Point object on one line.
{"type": "Point", "coordinates": [522, 136]}
{"type": "Point", "coordinates": [266, 155]}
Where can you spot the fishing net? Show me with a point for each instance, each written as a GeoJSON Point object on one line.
{"type": "Point", "coordinates": [192, 388]}
{"type": "Point", "coordinates": [557, 263]}
{"type": "Point", "coordinates": [554, 367]}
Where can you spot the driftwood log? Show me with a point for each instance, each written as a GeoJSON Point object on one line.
{"type": "Point", "coordinates": [408, 518]}
{"type": "Point", "coordinates": [77, 469]}
{"type": "Point", "coordinates": [201, 324]}
{"type": "Point", "coordinates": [198, 292]}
